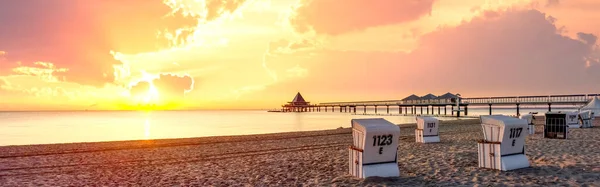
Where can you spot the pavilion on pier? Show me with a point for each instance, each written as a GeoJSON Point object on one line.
{"type": "Point", "coordinates": [298, 104]}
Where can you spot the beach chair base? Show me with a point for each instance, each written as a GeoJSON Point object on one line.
{"type": "Point", "coordinates": [563, 133]}
{"type": "Point", "coordinates": [381, 170]}
{"type": "Point", "coordinates": [586, 123]}
{"type": "Point", "coordinates": [360, 170]}
{"type": "Point", "coordinates": [531, 129]}
{"type": "Point", "coordinates": [420, 138]}
{"type": "Point", "coordinates": [574, 126]}
{"type": "Point", "coordinates": [490, 157]}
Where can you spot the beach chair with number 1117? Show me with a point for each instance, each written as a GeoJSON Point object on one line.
{"type": "Point", "coordinates": [503, 146]}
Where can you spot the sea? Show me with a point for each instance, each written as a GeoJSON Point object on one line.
{"type": "Point", "coordinates": [25, 128]}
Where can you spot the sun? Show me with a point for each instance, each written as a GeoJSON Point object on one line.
{"type": "Point", "coordinates": [150, 97]}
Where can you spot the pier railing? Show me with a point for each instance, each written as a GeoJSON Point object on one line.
{"type": "Point", "coordinates": [553, 99]}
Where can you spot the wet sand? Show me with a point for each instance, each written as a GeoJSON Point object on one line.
{"type": "Point", "coordinates": [316, 158]}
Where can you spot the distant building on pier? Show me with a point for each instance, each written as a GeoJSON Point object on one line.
{"type": "Point", "coordinates": [430, 98]}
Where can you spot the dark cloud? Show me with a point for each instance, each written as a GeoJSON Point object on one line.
{"type": "Point", "coordinates": [589, 39]}
{"type": "Point", "coordinates": [512, 52]}
{"type": "Point", "coordinates": [520, 49]}
{"type": "Point", "coordinates": [337, 17]}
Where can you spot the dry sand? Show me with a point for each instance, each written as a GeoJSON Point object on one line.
{"type": "Point", "coordinates": [318, 158]}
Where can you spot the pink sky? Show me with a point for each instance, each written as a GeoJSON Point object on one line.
{"type": "Point", "coordinates": [208, 54]}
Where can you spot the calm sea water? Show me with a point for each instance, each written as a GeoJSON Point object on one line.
{"type": "Point", "coordinates": [20, 128]}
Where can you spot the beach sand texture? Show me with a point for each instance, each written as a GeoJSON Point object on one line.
{"type": "Point", "coordinates": [318, 158]}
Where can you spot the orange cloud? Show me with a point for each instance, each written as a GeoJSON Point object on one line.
{"type": "Point", "coordinates": [302, 47]}
{"type": "Point", "coordinates": [382, 49]}
{"type": "Point", "coordinates": [203, 11]}
{"type": "Point", "coordinates": [140, 89]}
{"type": "Point", "coordinates": [4, 84]}
{"type": "Point", "coordinates": [2, 60]}
{"type": "Point", "coordinates": [284, 46]}
{"type": "Point", "coordinates": [39, 80]}
{"type": "Point", "coordinates": [80, 35]}
{"type": "Point", "coordinates": [334, 17]}
{"type": "Point", "coordinates": [45, 70]}
{"type": "Point", "coordinates": [551, 3]}
{"type": "Point", "coordinates": [174, 85]}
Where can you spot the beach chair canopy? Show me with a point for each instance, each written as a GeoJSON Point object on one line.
{"type": "Point", "coordinates": [593, 105]}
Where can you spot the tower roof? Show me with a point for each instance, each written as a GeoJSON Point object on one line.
{"type": "Point", "coordinates": [429, 96]}
{"type": "Point", "coordinates": [447, 96]}
{"type": "Point", "coordinates": [298, 98]}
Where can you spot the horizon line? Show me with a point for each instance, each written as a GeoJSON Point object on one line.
{"type": "Point", "coordinates": [108, 110]}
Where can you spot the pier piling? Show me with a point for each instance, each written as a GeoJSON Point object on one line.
{"type": "Point", "coordinates": [445, 107]}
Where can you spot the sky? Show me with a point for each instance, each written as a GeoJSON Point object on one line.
{"type": "Point", "coordinates": [257, 54]}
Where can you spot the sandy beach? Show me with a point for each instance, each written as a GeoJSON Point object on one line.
{"type": "Point", "coordinates": [316, 158]}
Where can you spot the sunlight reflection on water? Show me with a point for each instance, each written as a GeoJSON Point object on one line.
{"type": "Point", "coordinates": [147, 128]}
{"type": "Point", "coordinates": [18, 128]}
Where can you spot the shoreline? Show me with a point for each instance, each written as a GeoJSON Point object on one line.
{"type": "Point", "coordinates": [242, 136]}
{"type": "Point", "coordinates": [7, 151]}
{"type": "Point", "coordinates": [313, 158]}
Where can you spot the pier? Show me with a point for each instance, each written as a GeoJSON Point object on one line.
{"type": "Point", "coordinates": [450, 104]}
